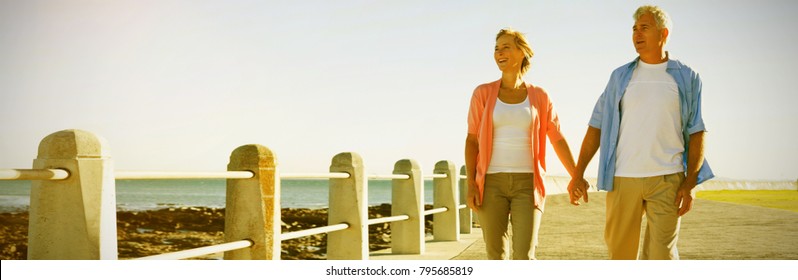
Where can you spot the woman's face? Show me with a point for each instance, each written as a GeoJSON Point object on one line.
{"type": "Point", "coordinates": [507, 55]}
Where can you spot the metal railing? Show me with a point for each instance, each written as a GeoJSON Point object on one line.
{"type": "Point", "coordinates": [338, 175]}
{"type": "Point", "coordinates": [151, 175]}
{"type": "Point", "coordinates": [33, 174]}
{"type": "Point", "coordinates": [201, 251]}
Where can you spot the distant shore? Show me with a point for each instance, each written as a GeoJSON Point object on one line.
{"type": "Point", "coordinates": [152, 232]}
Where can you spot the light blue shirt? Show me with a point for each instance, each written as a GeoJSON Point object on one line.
{"type": "Point", "coordinates": [607, 116]}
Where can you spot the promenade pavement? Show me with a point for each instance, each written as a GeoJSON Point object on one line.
{"type": "Point", "coordinates": [712, 230]}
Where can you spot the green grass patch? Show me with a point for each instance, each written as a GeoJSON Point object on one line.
{"type": "Point", "coordinates": [787, 199]}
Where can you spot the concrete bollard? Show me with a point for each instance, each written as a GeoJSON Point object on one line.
{"type": "Point", "coordinates": [407, 198]}
{"type": "Point", "coordinates": [252, 209]}
{"type": "Point", "coordinates": [445, 225]}
{"type": "Point", "coordinates": [74, 218]}
{"type": "Point", "coordinates": [348, 204]}
{"type": "Point", "coordinates": [465, 213]}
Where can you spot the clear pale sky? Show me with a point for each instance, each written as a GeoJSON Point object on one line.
{"type": "Point", "coordinates": [177, 85]}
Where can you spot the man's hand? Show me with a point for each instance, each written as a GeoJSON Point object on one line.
{"type": "Point", "coordinates": [695, 158]}
{"type": "Point", "coordinates": [472, 196]}
{"type": "Point", "coordinates": [684, 196]}
{"type": "Point", "coordinates": [577, 188]}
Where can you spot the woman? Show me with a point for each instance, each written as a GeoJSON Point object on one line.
{"type": "Point", "coordinates": [506, 150]}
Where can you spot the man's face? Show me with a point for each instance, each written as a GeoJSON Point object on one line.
{"type": "Point", "coordinates": [646, 36]}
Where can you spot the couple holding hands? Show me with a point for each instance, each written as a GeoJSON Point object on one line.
{"type": "Point", "coordinates": [647, 124]}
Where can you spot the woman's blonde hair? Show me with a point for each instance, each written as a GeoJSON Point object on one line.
{"type": "Point", "coordinates": [521, 43]}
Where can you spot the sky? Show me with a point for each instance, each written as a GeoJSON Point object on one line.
{"type": "Point", "coordinates": [178, 85]}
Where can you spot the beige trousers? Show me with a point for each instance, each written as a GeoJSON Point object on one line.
{"type": "Point", "coordinates": [509, 196]}
{"type": "Point", "coordinates": [629, 200]}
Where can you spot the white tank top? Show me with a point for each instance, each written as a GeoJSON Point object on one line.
{"type": "Point", "coordinates": [512, 147]}
{"type": "Point", "coordinates": [650, 141]}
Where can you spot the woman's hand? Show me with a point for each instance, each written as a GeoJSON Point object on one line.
{"type": "Point", "coordinates": [577, 188]}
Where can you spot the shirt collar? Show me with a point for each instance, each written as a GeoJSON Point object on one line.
{"type": "Point", "coordinates": [672, 63]}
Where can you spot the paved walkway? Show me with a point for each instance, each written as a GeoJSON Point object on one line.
{"type": "Point", "coordinates": [712, 230]}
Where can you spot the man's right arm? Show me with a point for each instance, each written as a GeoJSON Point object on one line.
{"type": "Point", "coordinates": [589, 147]}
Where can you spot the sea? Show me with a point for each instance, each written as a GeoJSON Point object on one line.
{"type": "Point", "coordinates": [140, 195]}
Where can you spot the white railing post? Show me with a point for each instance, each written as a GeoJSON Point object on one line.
{"type": "Point", "coordinates": [348, 204]}
{"type": "Point", "coordinates": [445, 226]}
{"type": "Point", "coordinates": [465, 213]}
{"type": "Point", "coordinates": [252, 209]}
{"type": "Point", "coordinates": [74, 218]}
{"type": "Point", "coordinates": [407, 198]}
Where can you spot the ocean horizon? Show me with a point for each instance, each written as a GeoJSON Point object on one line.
{"type": "Point", "coordinates": [141, 195]}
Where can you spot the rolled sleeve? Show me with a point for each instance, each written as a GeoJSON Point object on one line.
{"type": "Point", "coordinates": [554, 132]}
{"type": "Point", "coordinates": [598, 112]}
{"type": "Point", "coordinates": [697, 127]}
{"type": "Point", "coordinates": [475, 113]}
{"type": "Point", "coordinates": [695, 121]}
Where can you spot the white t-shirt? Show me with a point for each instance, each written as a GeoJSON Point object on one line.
{"type": "Point", "coordinates": [650, 141]}
{"type": "Point", "coordinates": [512, 148]}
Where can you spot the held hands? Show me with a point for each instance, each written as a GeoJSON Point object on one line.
{"type": "Point", "coordinates": [577, 188]}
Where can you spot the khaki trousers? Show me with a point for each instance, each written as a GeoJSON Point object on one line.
{"type": "Point", "coordinates": [509, 196]}
{"type": "Point", "coordinates": [626, 204]}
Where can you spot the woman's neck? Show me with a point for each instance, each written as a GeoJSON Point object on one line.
{"type": "Point", "coordinates": [512, 80]}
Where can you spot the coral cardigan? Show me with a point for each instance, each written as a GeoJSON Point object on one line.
{"type": "Point", "coordinates": [544, 122]}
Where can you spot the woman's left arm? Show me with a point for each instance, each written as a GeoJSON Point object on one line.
{"type": "Point", "coordinates": [578, 188]}
{"type": "Point", "coordinates": [564, 153]}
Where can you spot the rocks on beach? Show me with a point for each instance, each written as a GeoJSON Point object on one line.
{"type": "Point", "coordinates": [146, 233]}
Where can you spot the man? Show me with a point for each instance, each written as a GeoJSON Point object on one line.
{"type": "Point", "coordinates": [649, 127]}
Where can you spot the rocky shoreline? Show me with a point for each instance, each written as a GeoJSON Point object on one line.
{"type": "Point", "coordinates": [146, 233]}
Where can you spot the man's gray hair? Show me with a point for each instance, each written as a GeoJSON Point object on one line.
{"type": "Point", "coordinates": [662, 18]}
